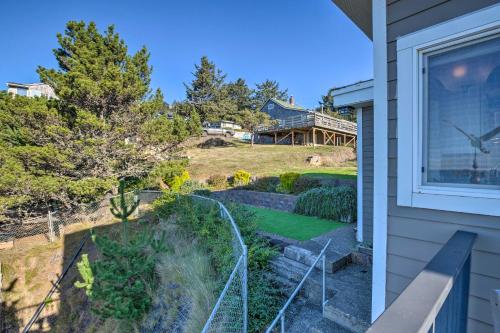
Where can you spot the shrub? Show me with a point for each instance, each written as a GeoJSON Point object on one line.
{"type": "Point", "coordinates": [264, 184]}
{"type": "Point", "coordinates": [305, 183]}
{"type": "Point", "coordinates": [241, 178]}
{"type": "Point", "coordinates": [202, 219]}
{"type": "Point", "coordinates": [287, 181]}
{"type": "Point", "coordinates": [336, 203]}
{"type": "Point", "coordinates": [218, 182]}
{"type": "Point", "coordinates": [170, 174]}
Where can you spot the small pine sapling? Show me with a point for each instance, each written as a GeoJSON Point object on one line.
{"type": "Point", "coordinates": [123, 211]}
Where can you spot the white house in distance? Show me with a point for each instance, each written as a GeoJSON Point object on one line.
{"type": "Point", "coordinates": [31, 89]}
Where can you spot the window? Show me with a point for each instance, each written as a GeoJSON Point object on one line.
{"type": "Point", "coordinates": [461, 109]}
{"type": "Point", "coordinates": [270, 106]}
{"type": "Point", "coordinates": [448, 122]}
{"type": "Point", "coordinates": [22, 91]}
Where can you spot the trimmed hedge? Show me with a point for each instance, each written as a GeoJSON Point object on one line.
{"type": "Point", "coordinates": [334, 203]}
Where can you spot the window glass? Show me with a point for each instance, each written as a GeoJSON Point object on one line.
{"type": "Point", "coordinates": [270, 106]}
{"type": "Point", "coordinates": [461, 118]}
{"type": "Point", "coordinates": [22, 91]}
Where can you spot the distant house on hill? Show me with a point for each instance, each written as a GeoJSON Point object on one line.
{"type": "Point", "coordinates": [277, 109]}
{"type": "Point", "coordinates": [31, 89]}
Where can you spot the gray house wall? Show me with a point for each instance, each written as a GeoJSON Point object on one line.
{"type": "Point", "coordinates": [279, 112]}
{"type": "Point", "coordinates": [367, 123]}
{"type": "Point", "coordinates": [416, 235]}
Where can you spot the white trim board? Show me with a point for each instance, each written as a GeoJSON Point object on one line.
{"type": "Point", "coordinates": [380, 163]}
{"type": "Point", "coordinates": [359, 150]}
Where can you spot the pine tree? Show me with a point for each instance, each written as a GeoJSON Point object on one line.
{"type": "Point", "coordinates": [95, 71]}
{"type": "Point", "coordinates": [206, 91]}
{"type": "Point", "coordinates": [268, 89]}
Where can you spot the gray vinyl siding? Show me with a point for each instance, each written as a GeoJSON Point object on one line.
{"type": "Point", "coordinates": [416, 235]}
{"type": "Point", "coordinates": [279, 112]}
{"type": "Point", "coordinates": [367, 136]}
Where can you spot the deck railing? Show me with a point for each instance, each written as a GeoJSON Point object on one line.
{"type": "Point", "coordinates": [312, 119]}
{"type": "Point", "coordinates": [437, 299]}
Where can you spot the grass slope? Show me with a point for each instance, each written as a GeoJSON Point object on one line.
{"type": "Point", "coordinates": [264, 160]}
{"type": "Point", "coordinates": [292, 226]}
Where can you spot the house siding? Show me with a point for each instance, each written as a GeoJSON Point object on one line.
{"type": "Point", "coordinates": [367, 128]}
{"type": "Point", "coordinates": [416, 235]}
{"type": "Point", "coordinates": [279, 112]}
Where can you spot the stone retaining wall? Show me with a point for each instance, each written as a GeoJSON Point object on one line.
{"type": "Point", "coordinates": [277, 201]}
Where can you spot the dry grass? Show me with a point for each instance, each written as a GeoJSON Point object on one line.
{"type": "Point", "coordinates": [266, 160]}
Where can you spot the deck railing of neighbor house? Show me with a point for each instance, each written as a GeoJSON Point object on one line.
{"type": "Point", "coordinates": [312, 119]}
{"type": "Point", "coordinates": [281, 314]}
{"type": "Point", "coordinates": [437, 299]}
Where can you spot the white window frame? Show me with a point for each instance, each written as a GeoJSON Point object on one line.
{"type": "Point", "coordinates": [270, 106]}
{"type": "Point", "coordinates": [410, 51]}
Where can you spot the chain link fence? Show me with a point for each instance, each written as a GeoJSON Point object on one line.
{"type": "Point", "coordinates": [50, 227]}
{"type": "Point", "coordinates": [230, 313]}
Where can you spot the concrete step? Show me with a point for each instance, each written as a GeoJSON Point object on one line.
{"type": "Point", "coordinates": [291, 271]}
{"type": "Point", "coordinates": [346, 320]}
{"type": "Point", "coordinates": [307, 255]}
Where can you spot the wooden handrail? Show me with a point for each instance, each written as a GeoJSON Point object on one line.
{"type": "Point", "coordinates": [437, 298]}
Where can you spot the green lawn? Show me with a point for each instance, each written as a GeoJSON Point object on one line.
{"type": "Point", "coordinates": [292, 226]}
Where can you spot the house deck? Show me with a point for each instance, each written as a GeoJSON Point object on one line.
{"type": "Point", "coordinates": [311, 129]}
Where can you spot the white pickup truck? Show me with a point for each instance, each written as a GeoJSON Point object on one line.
{"type": "Point", "coordinates": [217, 129]}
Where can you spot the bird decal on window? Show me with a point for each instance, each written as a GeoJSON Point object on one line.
{"type": "Point", "coordinates": [477, 141]}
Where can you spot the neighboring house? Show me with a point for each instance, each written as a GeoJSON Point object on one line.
{"type": "Point", "coordinates": [31, 89]}
{"type": "Point", "coordinates": [359, 96]}
{"type": "Point", "coordinates": [277, 109]}
{"type": "Point", "coordinates": [436, 133]}
{"type": "Point", "coordinates": [229, 124]}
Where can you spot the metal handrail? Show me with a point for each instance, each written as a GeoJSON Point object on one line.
{"type": "Point", "coordinates": [281, 313]}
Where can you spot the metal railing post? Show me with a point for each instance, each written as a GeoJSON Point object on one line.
{"type": "Point", "coordinates": [283, 323]}
{"type": "Point", "coordinates": [51, 227]}
{"type": "Point", "coordinates": [324, 285]}
{"type": "Point", "coordinates": [245, 290]}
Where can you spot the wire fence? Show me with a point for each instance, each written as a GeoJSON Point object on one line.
{"type": "Point", "coordinates": [230, 312]}
{"type": "Point", "coordinates": [51, 226]}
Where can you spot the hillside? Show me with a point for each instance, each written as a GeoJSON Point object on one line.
{"type": "Point", "coordinates": [225, 157]}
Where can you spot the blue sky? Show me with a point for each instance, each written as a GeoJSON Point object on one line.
{"type": "Point", "coordinates": [307, 46]}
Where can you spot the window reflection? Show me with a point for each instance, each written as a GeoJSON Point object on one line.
{"type": "Point", "coordinates": [461, 133]}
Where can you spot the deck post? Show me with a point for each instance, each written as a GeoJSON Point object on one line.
{"type": "Point", "coordinates": [275, 137]}
{"type": "Point", "coordinates": [293, 138]}
{"type": "Point", "coordinates": [314, 137]}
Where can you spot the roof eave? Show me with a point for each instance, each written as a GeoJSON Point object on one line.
{"type": "Point", "coordinates": [360, 12]}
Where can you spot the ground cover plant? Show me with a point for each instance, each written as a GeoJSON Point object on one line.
{"type": "Point", "coordinates": [338, 203]}
{"type": "Point", "coordinates": [241, 178]}
{"type": "Point", "coordinates": [202, 219]}
{"type": "Point", "coordinates": [291, 225]}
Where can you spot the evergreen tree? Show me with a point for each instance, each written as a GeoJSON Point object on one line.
{"type": "Point", "coordinates": [95, 71]}
{"type": "Point", "coordinates": [241, 95]}
{"type": "Point", "coordinates": [268, 89]}
{"type": "Point", "coordinates": [206, 92]}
